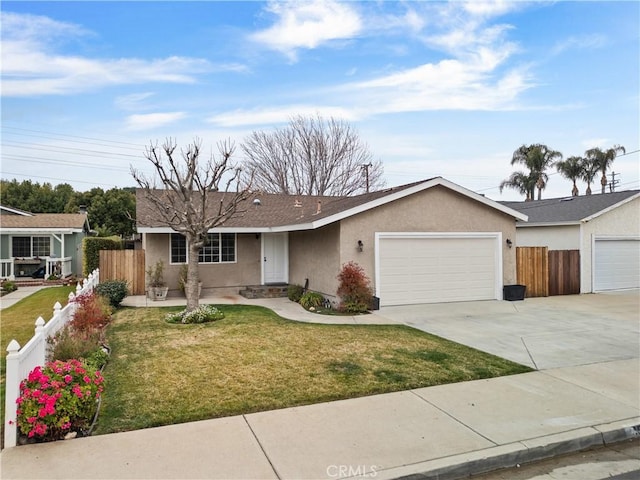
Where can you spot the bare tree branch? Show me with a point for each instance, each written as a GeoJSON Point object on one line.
{"type": "Point", "coordinates": [192, 201]}
{"type": "Point", "coordinates": [311, 156]}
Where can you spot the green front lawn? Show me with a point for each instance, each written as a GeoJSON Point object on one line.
{"type": "Point", "coordinates": [254, 360]}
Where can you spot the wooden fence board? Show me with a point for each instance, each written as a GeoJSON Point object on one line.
{"type": "Point", "coordinates": [532, 267]}
{"type": "Point", "coordinates": [124, 265]}
{"type": "Point", "coordinates": [564, 272]}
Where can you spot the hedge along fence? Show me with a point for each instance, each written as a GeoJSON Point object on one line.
{"type": "Point", "coordinates": [91, 247]}
{"type": "Point", "coordinates": [20, 361]}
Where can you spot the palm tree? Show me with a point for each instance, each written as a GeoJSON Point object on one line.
{"type": "Point", "coordinates": [537, 158]}
{"type": "Point", "coordinates": [521, 182]}
{"type": "Point", "coordinates": [571, 169]}
{"type": "Point", "coordinates": [603, 160]}
{"type": "Point", "coordinates": [589, 172]}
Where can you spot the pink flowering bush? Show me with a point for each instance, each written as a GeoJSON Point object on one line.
{"type": "Point", "coordinates": [58, 399]}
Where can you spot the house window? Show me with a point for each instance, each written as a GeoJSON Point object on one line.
{"type": "Point", "coordinates": [31, 246]}
{"type": "Point", "coordinates": [41, 247]}
{"type": "Point", "coordinates": [21, 246]}
{"type": "Point", "coordinates": [218, 248]}
{"type": "Point", "coordinates": [178, 248]}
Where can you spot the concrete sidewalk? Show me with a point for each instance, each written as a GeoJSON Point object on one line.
{"type": "Point", "coordinates": [14, 297]}
{"type": "Point", "coordinates": [447, 431]}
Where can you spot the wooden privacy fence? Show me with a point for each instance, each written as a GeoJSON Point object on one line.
{"type": "Point", "coordinates": [124, 265]}
{"type": "Point", "coordinates": [548, 272]}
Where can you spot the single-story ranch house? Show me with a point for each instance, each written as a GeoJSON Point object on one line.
{"type": "Point", "coordinates": [41, 244]}
{"type": "Point", "coordinates": [430, 241]}
{"type": "Point", "coordinates": [605, 228]}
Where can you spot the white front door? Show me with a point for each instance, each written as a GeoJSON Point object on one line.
{"type": "Point", "coordinates": [275, 258]}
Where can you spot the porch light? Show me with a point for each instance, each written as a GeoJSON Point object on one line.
{"type": "Point", "coordinates": [360, 245]}
{"type": "Point", "coordinates": [509, 243]}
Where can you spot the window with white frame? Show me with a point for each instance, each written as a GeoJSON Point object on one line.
{"type": "Point", "coordinates": [31, 246]}
{"type": "Point", "coordinates": [218, 248]}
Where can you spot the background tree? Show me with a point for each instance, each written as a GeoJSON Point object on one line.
{"type": "Point", "coordinates": [589, 172]}
{"type": "Point", "coordinates": [572, 168]}
{"type": "Point", "coordinates": [522, 183]}
{"type": "Point", "coordinates": [36, 198]}
{"type": "Point", "coordinates": [111, 212]}
{"type": "Point", "coordinates": [603, 159]}
{"type": "Point", "coordinates": [312, 156]}
{"type": "Point", "coordinates": [537, 158]}
{"type": "Point", "coordinates": [190, 202]}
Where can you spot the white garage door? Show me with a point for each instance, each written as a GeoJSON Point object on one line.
{"type": "Point", "coordinates": [432, 268]}
{"type": "Point", "coordinates": [616, 264]}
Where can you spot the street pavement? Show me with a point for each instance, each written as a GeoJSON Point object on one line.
{"type": "Point", "coordinates": [583, 396]}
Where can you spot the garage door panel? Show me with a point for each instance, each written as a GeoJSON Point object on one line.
{"type": "Point", "coordinates": [616, 264]}
{"type": "Point", "coordinates": [431, 269]}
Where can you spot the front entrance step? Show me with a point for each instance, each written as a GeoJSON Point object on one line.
{"type": "Point", "coordinates": [265, 291]}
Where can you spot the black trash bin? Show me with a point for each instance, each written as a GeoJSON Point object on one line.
{"type": "Point", "coordinates": [513, 292]}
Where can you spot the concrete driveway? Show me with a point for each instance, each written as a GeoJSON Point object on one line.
{"type": "Point", "coordinates": [542, 333]}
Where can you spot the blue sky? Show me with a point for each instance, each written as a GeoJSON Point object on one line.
{"type": "Point", "coordinates": [434, 88]}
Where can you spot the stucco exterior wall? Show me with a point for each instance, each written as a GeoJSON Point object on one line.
{"type": "Point", "coordinates": [564, 237]}
{"type": "Point", "coordinates": [437, 209]}
{"type": "Point", "coordinates": [314, 255]}
{"type": "Point", "coordinates": [227, 276]}
{"type": "Point", "coordinates": [623, 221]}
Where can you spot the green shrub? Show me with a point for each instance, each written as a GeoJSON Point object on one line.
{"type": "Point", "coordinates": [295, 292]}
{"type": "Point", "coordinates": [9, 286]}
{"type": "Point", "coordinates": [202, 314]}
{"type": "Point", "coordinates": [91, 247]}
{"type": "Point", "coordinates": [113, 290]}
{"type": "Point", "coordinates": [66, 344]}
{"type": "Point", "coordinates": [354, 289]}
{"type": "Point", "coordinates": [311, 300]}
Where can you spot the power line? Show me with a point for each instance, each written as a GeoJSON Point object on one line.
{"type": "Point", "coordinates": [70, 136]}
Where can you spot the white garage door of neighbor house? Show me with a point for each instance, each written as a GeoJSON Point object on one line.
{"type": "Point", "coordinates": [428, 268]}
{"type": "Point", "coordinates": [616, 264]}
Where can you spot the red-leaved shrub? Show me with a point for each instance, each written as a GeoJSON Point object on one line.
{"type": "Point", "coordinates": [92, 314]}
{"type": "Point", "coordinates": [354, 289]}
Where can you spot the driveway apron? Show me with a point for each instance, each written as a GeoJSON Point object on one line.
{"type": "Point", "coordinates": [542, 333]}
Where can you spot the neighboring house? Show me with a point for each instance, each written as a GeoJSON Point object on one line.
{"type": "Point", "coordinates": [430, 241]}
{"type": "Point", "coordinates": [40, 244]}
{"type": "Point", "coordinates": [605, 228]}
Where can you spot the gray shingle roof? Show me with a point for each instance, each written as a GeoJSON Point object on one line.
{"type": "Point", "coordinates": [569, 209]}
{"type": "Point", "coordinates": [274, 209]}
{"type": "Point", "coordinates": [45, 220]}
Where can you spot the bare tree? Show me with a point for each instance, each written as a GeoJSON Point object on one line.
{"type": "Point", "coordinates": [192, 201]}
{"type": "Point", "coordinates": [312, 156]}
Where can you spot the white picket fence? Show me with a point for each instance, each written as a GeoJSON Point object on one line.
{"type": "Point", "coordinates": [20, 361]}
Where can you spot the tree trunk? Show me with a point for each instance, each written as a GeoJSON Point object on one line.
{"type": "Point", "coordinates": [603, 182]}
{"type": "Point", "coordinates": [574, 192]}
{"type": "Point", "coordinates": [191, 286]}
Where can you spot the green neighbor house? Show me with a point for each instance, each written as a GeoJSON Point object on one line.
{"type": "Point", "coordinates": [41, 245]}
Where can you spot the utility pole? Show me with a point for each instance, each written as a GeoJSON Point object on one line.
{"type": "Point", "coordinates": [366, 167]}
{"type": "Point", "coordinates": [614, 182]}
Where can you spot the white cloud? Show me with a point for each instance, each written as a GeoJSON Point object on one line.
{"type": "Point", "coordinates": [579, 42]}
{"type": "Point", "coordinates": [30, 66]}
{"type": "Point", "coordinates": [308, 25]}
{"type": "Point", "coordinates": [152, 120]}
{"type": "Point", "coordinates": [277, 115]}
{"type": "Point", "coordinates": [132, 101]}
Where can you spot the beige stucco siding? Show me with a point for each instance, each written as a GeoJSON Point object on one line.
{"type": "Point", "coordinates": [563, 237]}
{"type": "Point", "coordinates": [437, 209]}
{"type": "Point", "coordinates": [623, 221]}
{"type": "Point", "coordinates": [314, 255]}
{"type": "Point", "coordinates": [244, 271]}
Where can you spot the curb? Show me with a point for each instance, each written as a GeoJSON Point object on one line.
{"type": "Point", "coordinates": [514, 454]}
